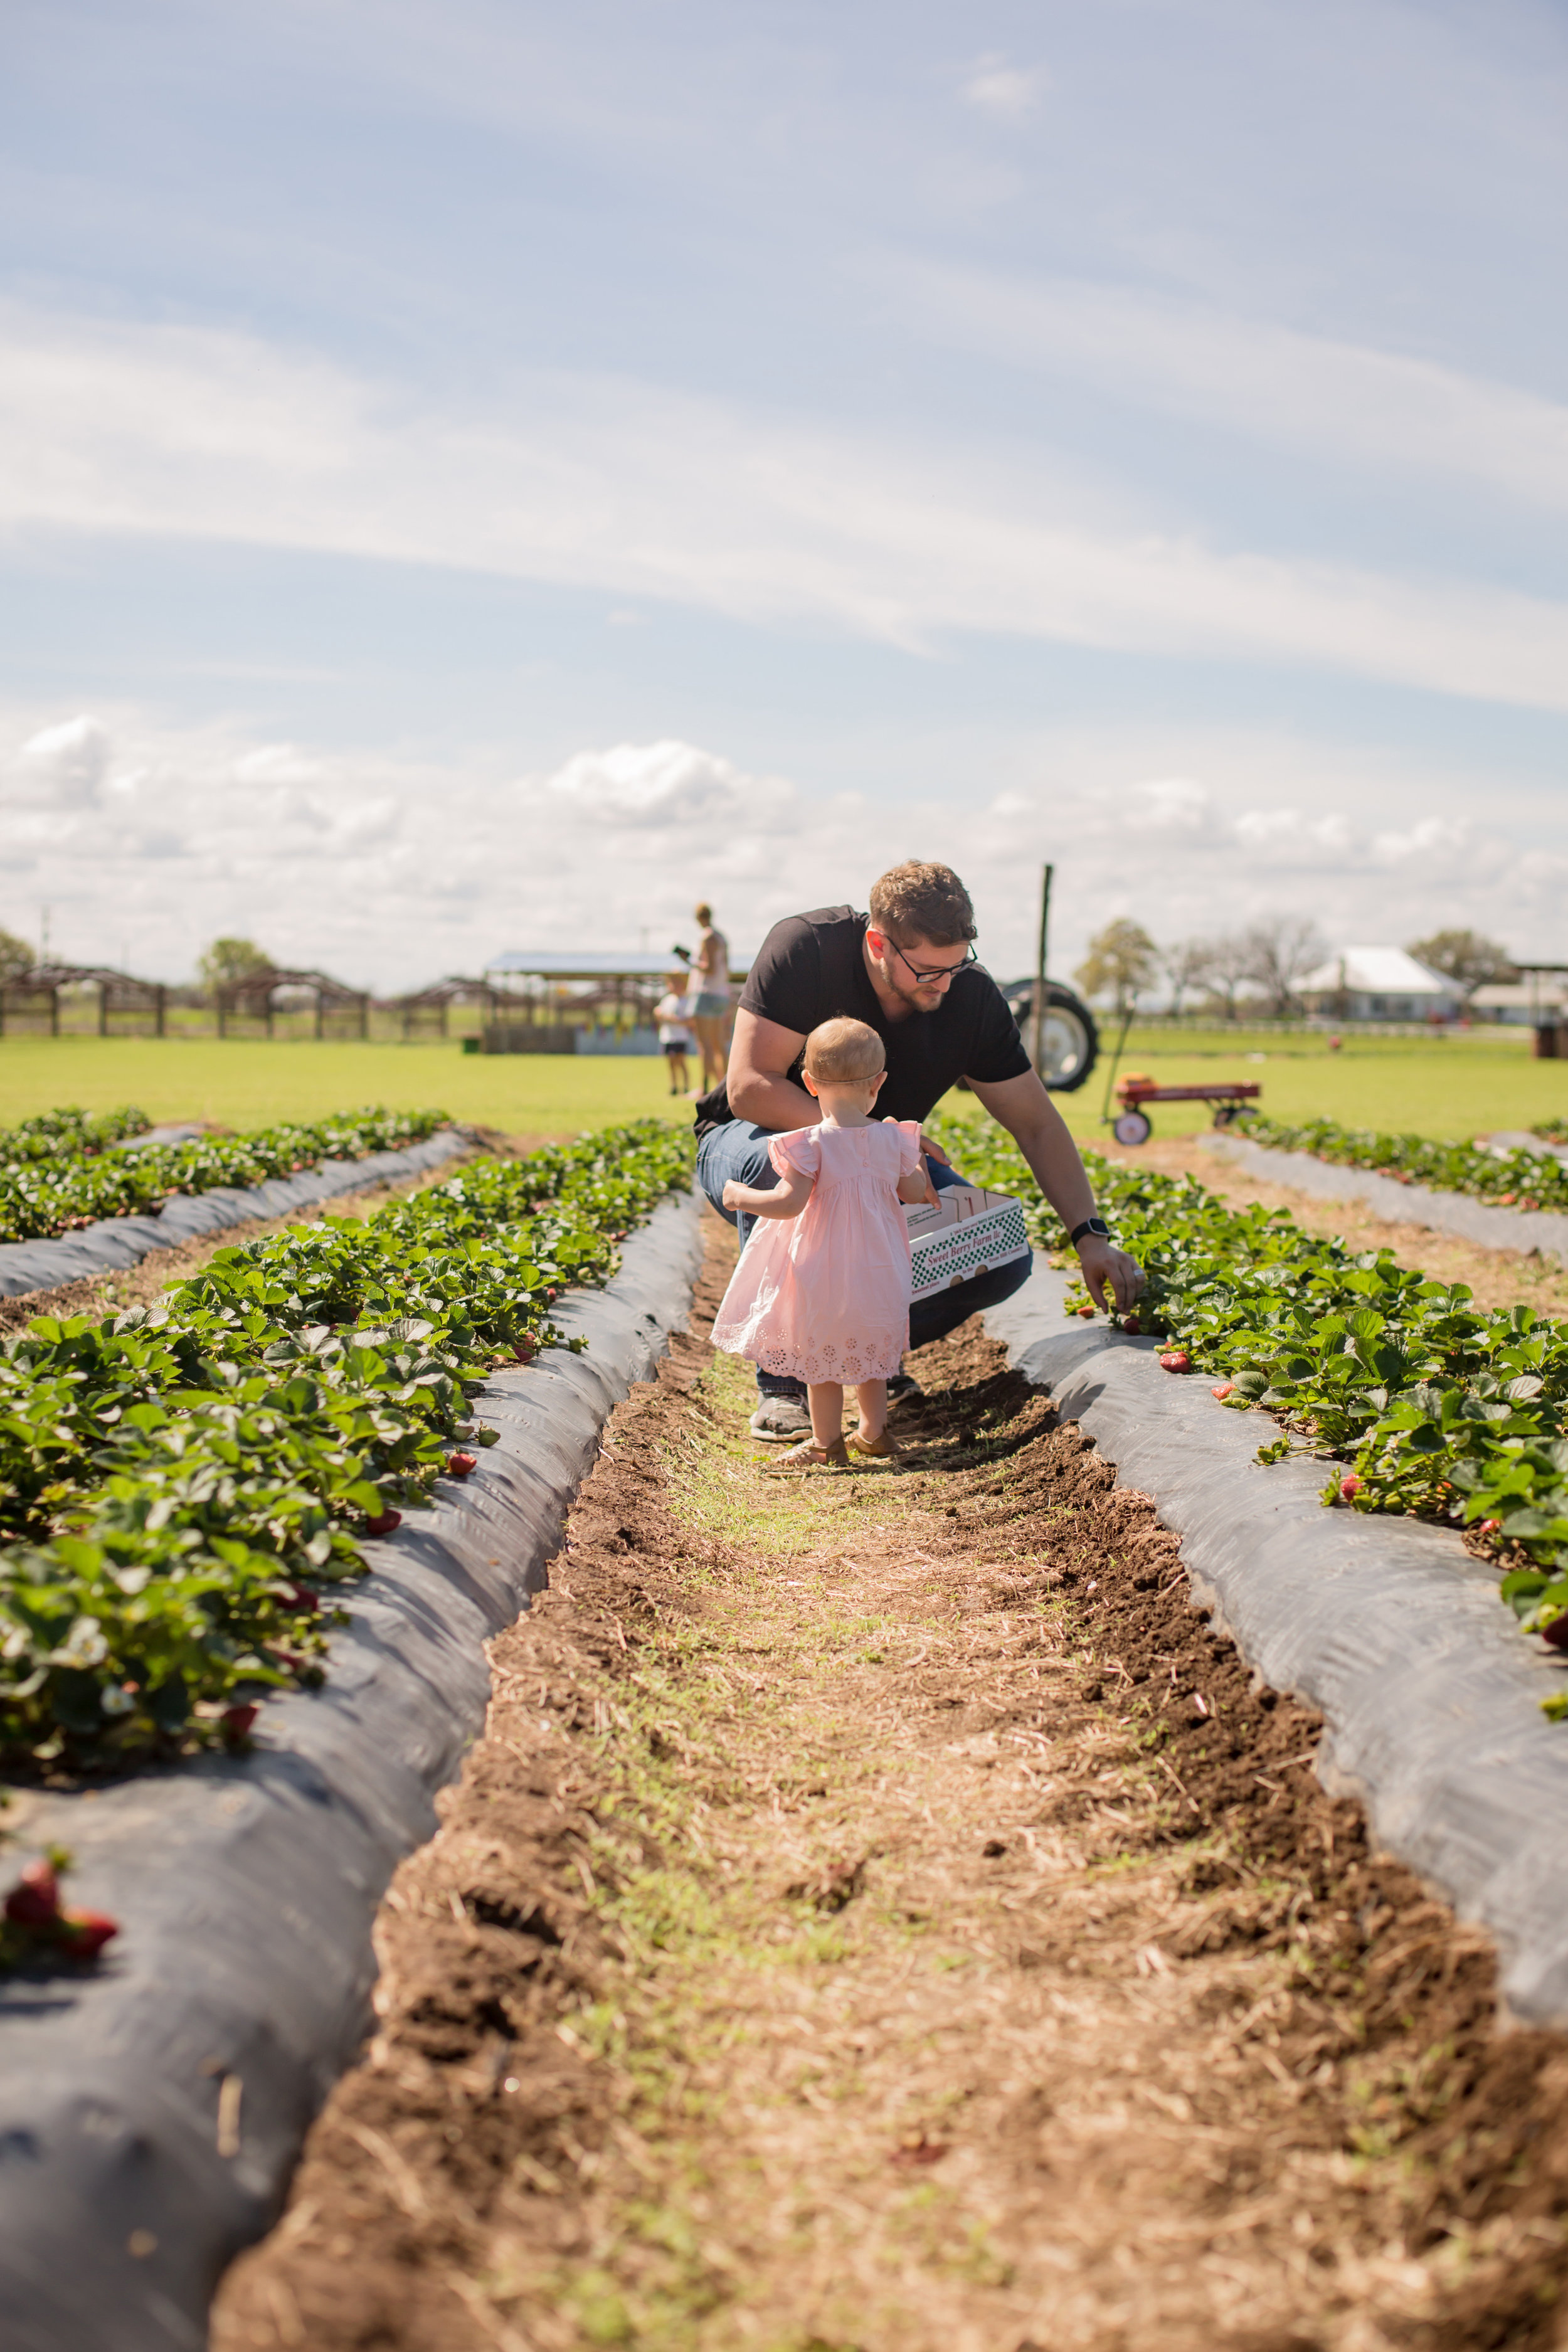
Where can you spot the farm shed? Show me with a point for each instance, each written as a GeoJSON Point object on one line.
{"type": "Point", "coordinates": [1380, 984]}
{"type": "Point", "coordinates": [1526, 1002]}
{"type": "Point", "coordinates": [571, 996]}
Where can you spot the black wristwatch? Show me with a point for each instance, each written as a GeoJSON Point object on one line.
{"type": "Point", "coordinates": [1090, 1225]}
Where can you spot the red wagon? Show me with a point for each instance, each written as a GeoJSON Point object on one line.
{"type": "Point", "coordinates": [1132, 1092]}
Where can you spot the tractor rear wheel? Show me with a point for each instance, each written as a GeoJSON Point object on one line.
{"type": "Point", "coordinates": [1070, 1046]}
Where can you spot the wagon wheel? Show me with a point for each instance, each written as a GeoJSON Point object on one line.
{"type": "Point", "coordinates": [1132, 1127]}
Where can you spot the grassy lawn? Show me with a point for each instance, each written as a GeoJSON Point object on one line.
{"type": "Point", "coordinates": [1439, 1085]}
{"type": "Point", "coordinates": [243, 1084]}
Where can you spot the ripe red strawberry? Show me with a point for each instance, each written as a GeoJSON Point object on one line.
{"type": "Point", "coordinates": [1088, 1313]}
{"type": "Point", "coordinates": [85, 1932]}
{"type": "Point", "coordinates": [384, 1524]}
{"type": "Point", "coordinates": [1556, 1633]}
{"type": "Point", "coordinates": [238, 1722]}
{"type": "Point", "coordinates": [1350, 1487]}
{"type": "Point", "coordinates": [1176, 1359]}
{"type": "Point", "coordinates": [1130, 1323]}
{"type": "Point", "coordinates": [1490, 1528]}
{"type": "Point", "coordinates": [1225, 1388]}
{"type": "Point", "coordinates": [1508, 1199]}
{"type": "Point", "coordinates": [525, 1350]}
{"type": "Point", "coordinates": [35, 1900]}
{"type": "Point", "coordinates": [459, 1464]}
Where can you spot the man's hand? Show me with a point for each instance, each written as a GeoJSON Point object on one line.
{"type": "Point", "coordinates": [1107, 1267]}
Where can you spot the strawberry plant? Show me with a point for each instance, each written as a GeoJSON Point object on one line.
{"type": "Point", "coordinates": [61, 1171]}
{"type": "Point", "coordinates": [1525, 1180]}
{"type": "Point", "coordinates": [182, 1487]}
{"type": "Point", "coordinates": [1423, 1402]}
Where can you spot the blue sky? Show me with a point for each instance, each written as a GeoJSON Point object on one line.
{"type": "Point", "coordinates": [478, 475]}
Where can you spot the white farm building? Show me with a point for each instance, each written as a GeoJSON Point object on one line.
{"type": "Point", "coordinates": [1380, 984]}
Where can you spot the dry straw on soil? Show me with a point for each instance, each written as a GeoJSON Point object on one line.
{"type": "Point", "coordinates": [882, 1917]}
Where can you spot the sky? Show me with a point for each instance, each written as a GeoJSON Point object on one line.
{"type": "Point", "coordinates": [482, 476]}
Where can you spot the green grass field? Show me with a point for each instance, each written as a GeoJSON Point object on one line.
{"type": "Point", "coordinates": [241, 1084]}
{"type": "Point", "coordinates": [1439, 1085]}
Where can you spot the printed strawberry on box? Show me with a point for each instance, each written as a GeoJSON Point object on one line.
{"type": "Point", "coordinates": [967, 1231]}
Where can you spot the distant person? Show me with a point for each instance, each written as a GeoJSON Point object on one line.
{"type": "Point", "coordinates": [822, 1290]}
{"type": "Point", "coordinates": [908, 970]}
{"type": "Point", "coordinates": [710, 1004]}
{"type": "Point", "coordinates": [675, 1035]}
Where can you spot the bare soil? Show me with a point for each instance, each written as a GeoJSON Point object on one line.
{"type": "Point", "coordinates": [882, 1916]}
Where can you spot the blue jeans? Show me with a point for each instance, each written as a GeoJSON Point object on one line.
{"type": "Point", "coordinates": [738, 1150]}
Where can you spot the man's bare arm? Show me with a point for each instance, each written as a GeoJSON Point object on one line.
{"type": "Point", "coordinates": [1023, 1106]}
{"type": "Point", "coordinates": [759, 1088]}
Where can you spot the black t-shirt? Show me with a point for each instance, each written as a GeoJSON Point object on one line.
{"type": "Point", "coordinates": [812, 968]}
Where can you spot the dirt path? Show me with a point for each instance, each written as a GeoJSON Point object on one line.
{"type": "Point", "coordinates": [881, 1918]}
{"type": "Point", "coordinates": [1497, 1277]}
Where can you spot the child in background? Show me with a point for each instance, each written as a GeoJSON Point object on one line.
{"type": "Point", "coordinates": [674, 1033]}
{"type": "Point", "coordinates": [822, 1290]}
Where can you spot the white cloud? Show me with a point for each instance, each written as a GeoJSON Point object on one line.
{"type": "Point", "coordinates": [1177, 802]}
{"type": "Point", "coordinates": [617, 485]}
{"type": "Point", "coordinates": [65, 765]}
{"type": "Point", "coordinates": [1344, 401]}
{"type": "Point", "coordinates": [1007, 90]}
{"type": "Point", "coordinates": [389, 872]}
{"type": "Point", "coordinates": [656, 784]}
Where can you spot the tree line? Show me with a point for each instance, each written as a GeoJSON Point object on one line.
{"type": "Point", "coordinates": [1268, 959]}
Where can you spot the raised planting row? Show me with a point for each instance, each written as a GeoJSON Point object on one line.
{"type": "Point", "coordinates": [182, 1485]}
{"type": "Point", "coordinates": [63, 1172]}
{"type": "Point", "coordinates": [1427, 1405]}
{"type": "Point", "coordinates": [1523, 1179]}
{"type": "Point", "coordinates": [70, 1133]}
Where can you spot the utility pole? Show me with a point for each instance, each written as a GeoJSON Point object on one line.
{"type": "Point", "coordinates": [1038, 1002]}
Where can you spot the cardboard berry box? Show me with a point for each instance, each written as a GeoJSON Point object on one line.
{"type": "Point", "coordinates": [968, 1231]}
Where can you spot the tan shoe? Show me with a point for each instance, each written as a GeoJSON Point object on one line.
{"type": "Point", "coordinates": [810, 1456]}
{"type": "Point", "coordinates": [881, 1448]}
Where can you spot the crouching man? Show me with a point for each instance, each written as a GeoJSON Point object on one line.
{"type": "Point", "coordinates": [908, 969]}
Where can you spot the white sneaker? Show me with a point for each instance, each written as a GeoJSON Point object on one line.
{"type": "Point", "coordinates": [780, 1420]}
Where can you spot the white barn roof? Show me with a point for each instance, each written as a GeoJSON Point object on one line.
{"type": "Point", "coordinates": [1377, 972]}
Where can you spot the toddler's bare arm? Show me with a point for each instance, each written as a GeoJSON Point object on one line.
{"type": "Point", "coordinates": [918, 1187]}
{"type": "Point", "coordinates": [787, 1200]}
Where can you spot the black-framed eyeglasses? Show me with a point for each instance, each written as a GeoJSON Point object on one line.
{"type": "Point", "coordinates": [942, 972]}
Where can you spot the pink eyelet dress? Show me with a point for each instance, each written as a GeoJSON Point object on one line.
{"type": "Point", "coordinates": [825, 1297]}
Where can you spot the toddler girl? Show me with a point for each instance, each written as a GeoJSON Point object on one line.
{"type": "Point", "coordinates": [673, 1012]}
{"type": "Point", "coordinates": [822, 1290]}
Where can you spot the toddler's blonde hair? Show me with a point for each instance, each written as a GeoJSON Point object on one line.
{"type": "Point", "coordinates": [844, 1053]}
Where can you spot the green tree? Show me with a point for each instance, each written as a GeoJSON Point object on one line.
{"type": "Point", "coordinates": [1466, 957]}
{"type": "Point", "coordinates": [16, 957]}
{"type": "Point", "coordinates": [229, 962]}
{"type": "Point", "coordinates": [1121, 958]}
